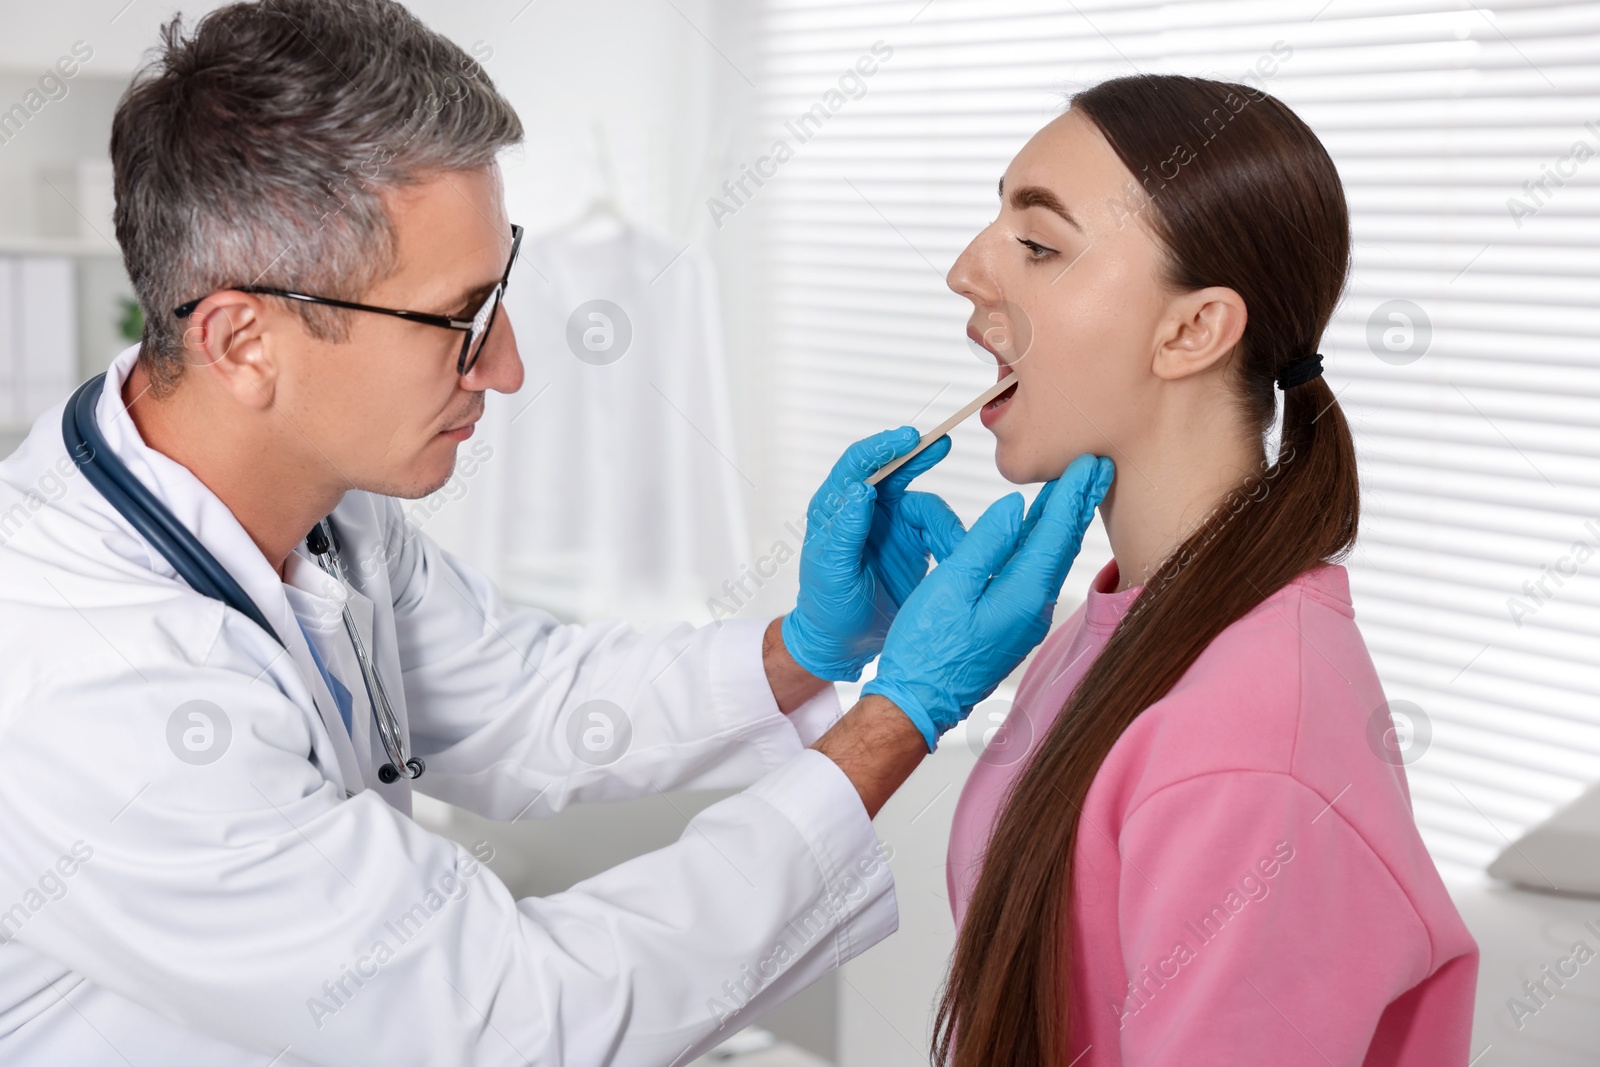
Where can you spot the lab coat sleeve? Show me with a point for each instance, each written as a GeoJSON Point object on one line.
{"type": "Point", "coordinates": [518, 716]}
{"type": "Point", "coordinates": [1257, 927]}
{"type": "Point", "coordinates": [246, 897]}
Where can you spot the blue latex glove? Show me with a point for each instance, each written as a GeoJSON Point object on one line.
{"type": "Point", "coordinates": [989, 603]}
{"type": "Point", "coordinates": [865, 550]}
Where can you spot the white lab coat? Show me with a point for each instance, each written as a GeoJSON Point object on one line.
{"type": "Point", "coordinates": [640, 441]}
{"type": "Point", "coordinates": [280, 902]}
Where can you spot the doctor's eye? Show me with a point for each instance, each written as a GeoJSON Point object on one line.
{"type": "Point", "coordinates": [1037, 250]}
{"type": "Point", "coordinates": [473, 302]}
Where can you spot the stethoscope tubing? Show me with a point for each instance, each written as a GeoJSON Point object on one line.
{"type": "Point", "coordinates": [103, 470]}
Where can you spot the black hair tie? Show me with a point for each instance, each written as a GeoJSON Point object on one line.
{"type": "Point", "coordinates": [1301, 371]}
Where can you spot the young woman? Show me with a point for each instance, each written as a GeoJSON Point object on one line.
{"type": "Point", "coordinates": [1191, 842]}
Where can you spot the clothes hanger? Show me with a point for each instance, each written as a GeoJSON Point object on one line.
{"type": "Point", "coordinates": [603, 207]}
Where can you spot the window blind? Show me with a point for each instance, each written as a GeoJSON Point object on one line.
{"type": "Point", "coordinates": [1464, 353]}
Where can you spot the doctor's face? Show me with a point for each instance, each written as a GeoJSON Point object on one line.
{"type": "Point", "coordinates": [386, 408]}
{"type": "Point", "coordinates": [1072, 300]}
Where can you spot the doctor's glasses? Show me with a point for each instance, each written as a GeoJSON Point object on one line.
{"type": "Point", "coordinates": [476, 328]}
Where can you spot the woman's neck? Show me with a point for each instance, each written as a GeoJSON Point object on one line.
{"type": "Point", "coordinates": [1164, 490]}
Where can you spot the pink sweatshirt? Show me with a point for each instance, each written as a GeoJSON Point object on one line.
{"type": "Point", "coordinates": [1250, 884]}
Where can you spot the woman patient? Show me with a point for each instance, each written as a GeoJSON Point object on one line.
{"type": "Point", "coordinates": [1191, 842]}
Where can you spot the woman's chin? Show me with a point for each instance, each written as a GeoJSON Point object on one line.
{"type": "Point", "coordinates": [1025, 467]}
{"type": "Point", "coordinates": [1014, 467]}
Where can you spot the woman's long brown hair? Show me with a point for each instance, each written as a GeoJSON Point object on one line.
{"type": "Point", "coordinates": [1241, 194]}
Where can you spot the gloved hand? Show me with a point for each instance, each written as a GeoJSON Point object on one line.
{"type": "Point", "coordinates": [865, 550]}
{"type": "Point", "coordinates": [989, 602]}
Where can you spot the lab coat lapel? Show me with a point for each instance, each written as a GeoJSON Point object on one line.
{"type": "Point", "coordinates": [363, 736]}
{"type": "Point", "coordinates": [366, 739]}
{"type": "Point", "coordinates": [335, 752]}
{"type": "Point", "coordinates": [362, 537]}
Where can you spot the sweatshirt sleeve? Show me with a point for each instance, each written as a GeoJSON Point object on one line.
{"type": "Point", "coordinates": [1257, 927]}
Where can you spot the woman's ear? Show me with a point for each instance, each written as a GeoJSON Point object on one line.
{"type": "Point", "coordinates": [1200, 328]}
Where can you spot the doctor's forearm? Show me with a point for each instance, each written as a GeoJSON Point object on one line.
{"type": "Point", "coordinates": [792, 685]}
{"type": "Point", "coordinates": [876, 746]}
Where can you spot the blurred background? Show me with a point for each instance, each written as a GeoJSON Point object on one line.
{"type": "Point", "coordinates": [739, 217]}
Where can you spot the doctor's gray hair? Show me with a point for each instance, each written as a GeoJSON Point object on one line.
{"type": "Point", "coordinates": [255, 151]}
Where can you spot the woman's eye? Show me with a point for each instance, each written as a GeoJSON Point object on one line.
{"type": "Point", "coordinates": [1036, 250]}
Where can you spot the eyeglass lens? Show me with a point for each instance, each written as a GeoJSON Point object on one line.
{"type": "Point", "coordinates": [481, 322]}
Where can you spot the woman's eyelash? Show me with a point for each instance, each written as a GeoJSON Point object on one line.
{"type": "Point", "coordinates": [1039, 251]}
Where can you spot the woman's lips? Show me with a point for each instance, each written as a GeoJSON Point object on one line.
{"type": "Point", "coordinates": [995, 409]}
{"type": "Point", "coordinates": [983, 343]}
{"type": "Point", "coordinates": [991, 412]}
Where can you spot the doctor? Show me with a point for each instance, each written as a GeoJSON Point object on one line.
{"type": "Point", "coordinates": [206, 850]}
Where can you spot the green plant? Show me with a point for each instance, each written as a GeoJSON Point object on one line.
{"type": "Point", "coordinates": [131, 322]}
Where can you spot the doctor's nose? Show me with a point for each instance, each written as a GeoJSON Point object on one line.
{"type": "Point", "coordinates": [499, 365]}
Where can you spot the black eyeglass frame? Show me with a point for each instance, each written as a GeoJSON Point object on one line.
{"type": "Point", "coordinates": [491, 305]}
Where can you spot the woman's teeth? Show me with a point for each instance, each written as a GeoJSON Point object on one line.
{"type": "Point", "coordinates": [1003, 397]}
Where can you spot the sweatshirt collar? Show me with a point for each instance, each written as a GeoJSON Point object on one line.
{"type": "Point", "coordinates": [1106, 608]}
{"type": "Point", "coordinates": [1328, 582]}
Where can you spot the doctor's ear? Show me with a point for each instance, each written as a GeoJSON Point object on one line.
{"type": "Point", "coordinates": [1200, 328]}
{"type": "Point", "coordinates": [224, 342]}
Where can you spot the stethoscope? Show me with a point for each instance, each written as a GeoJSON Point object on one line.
{"type": "Point", "coordinates": [196, 565]}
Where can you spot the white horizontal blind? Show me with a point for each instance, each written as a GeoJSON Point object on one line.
{"type": "Point", "coordinates": [1480, 456]}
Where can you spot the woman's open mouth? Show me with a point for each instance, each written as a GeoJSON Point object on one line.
{"type": "Point", "coordinates": [992, 411]}
{"type": "Point", "coordinates": [995, 408]}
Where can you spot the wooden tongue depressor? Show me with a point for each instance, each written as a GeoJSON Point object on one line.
{"type": "Point", "coordinates": [944, 427]}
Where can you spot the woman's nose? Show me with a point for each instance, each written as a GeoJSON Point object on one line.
{"type": "Point", "coordinates": [972, 274]}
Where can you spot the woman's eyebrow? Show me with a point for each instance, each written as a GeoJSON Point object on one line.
{"type": "Point", "coordinates": [1038, 196]}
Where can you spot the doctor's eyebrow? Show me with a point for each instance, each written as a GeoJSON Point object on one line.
{"type": "Point", "coordinates": [1037, 196]}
